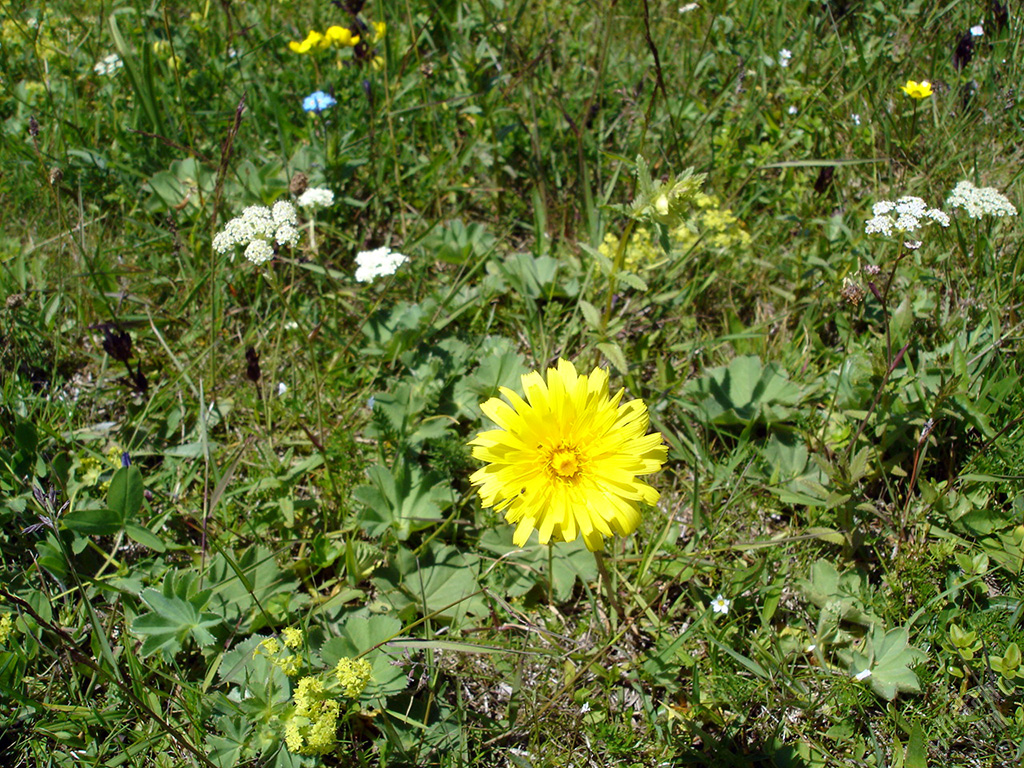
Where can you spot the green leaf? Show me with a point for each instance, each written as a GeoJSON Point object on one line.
{"type": "Point", "coordinates": [176, 614]}
{"type": "Point", "coordinates": [893, 657]}
{"type": "Point", "coordinates": [615, 356]}
{"type": "Point", "coordinates": [917, 748]}
{"type": "Point", "coordinates": [125, 493]}
{"type": "Point", "coordinates": [93, 522]}
{"type": "Point", "coordinates": [145, 537]}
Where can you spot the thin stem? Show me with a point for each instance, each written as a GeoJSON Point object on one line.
{"type": "Point", "coordinates": [613, 598]}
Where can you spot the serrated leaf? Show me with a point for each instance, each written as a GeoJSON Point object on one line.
{"type": "Point", "coordinates": [590, 313]}
{"type": "Point", "coordinates": [632, 280]}
{"type": "Point", "coordinates": [613, 352]}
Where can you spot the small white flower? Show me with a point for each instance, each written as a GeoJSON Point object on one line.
{"type": "Point", "coordinates": [911, 214]}
{"type": "Point", "coordinates": [793, 110]}
{"type": "Point", "coordinates": [855, 118]}
{"type": "Point", "coordinates": [281, 388]}
{"type": "Point", "coordinates": [284, 213]}
{"type": "Point", "coordinates": [720, 605]}
{"type": "Point", "coordinates": [688, 7]}
{"type": "Point", "coordinates": [585, 708]}
{"type": "Point", "coordinates": [108, 65]}
{"type": "Point", "coordinates": [784, 56]}
{"type": "Point", "coordinates": [379, 262]}
{"type": "Point", "coordinates": [864, 674]}
{"type": "Point", "coordinates": [977, 30]}
{"type": "Point", "coordinates": [316, 197]}
{"type": "Point", "coordinates": [259, 251]}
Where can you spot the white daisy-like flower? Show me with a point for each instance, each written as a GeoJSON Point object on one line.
{"type": "Point", "coordinates": [316, 197]}
{"type": "Point", "coordinates": [979, 202]}
{"type": "Point", "coordinates": [720, 605]}
{"type": "Point", "coordinates": [379, 262]}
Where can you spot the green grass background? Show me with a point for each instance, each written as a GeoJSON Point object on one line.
{"type": "Point", "coordinates": [847, 474]}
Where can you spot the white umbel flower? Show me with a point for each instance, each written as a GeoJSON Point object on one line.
{"type": "Point", "coordinates": [316, 197]}
{"type": "Point", "coordinates": [108, 65]}
{"type": "Point", "coordinates": [377, 263]}
{"type": "Point", "coordinates": [986, 201]}
{"type": "Point", "coordinates": [906, 215]}
{"type": "Point", "coordinates": [257, 229]}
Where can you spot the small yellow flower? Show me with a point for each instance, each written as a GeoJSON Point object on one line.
{"type": "Point", "coordinates": [340, 36]}
{"type": "Point", "coordinates": [291, 665]}
{"type": "Point", "coordinates": [292, 637]}
{"type": "Point", "coordinates": [270, 647]}
{"type": "Point", "coordinates": [353, 674]}
{"type": "Point", "coordinates": [314, 38]}
{"type": "Point", "coordinates": [916, 90]}
{"type": "Point", "coordinates": [379, 29]}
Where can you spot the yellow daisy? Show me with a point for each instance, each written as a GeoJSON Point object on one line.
{"type": "Point", "coordinates": [565, 460]}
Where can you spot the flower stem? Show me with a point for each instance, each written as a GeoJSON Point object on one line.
{"type": "Point", "coordinates": [613, 598]}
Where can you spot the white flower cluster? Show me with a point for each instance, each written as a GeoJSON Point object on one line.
{"type": "Point", "coordinates": [108, 65]}
{"type": "Point", "coordinates": [378, 263]}
{"type": "Point", "coordinates": [906, 215]}
{"type": "Point", "coordinates": [257, 229]}
{"type": "Point", "coordinates": [316, 197]}
{"type": "Point", "coordinates": [985, 201]}
{"type": "Point", "coordinates": [784, 56]}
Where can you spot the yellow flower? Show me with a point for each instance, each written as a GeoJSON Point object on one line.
{"type": "Point", "coordinates": [340, 36]}
{"type": "Point", "coordinates": [313, 38]}
{"type": "Point", "coordinates": [379, 28]}
{"type": "Point", "coordinates": [920, 90]}
{"type": "Point", "coordinates": [565, 460]}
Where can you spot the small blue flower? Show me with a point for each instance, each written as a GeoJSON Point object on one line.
{"type": "Point", "coordinates": [318, 101]}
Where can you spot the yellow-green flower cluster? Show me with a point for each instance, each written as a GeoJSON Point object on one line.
{"type": "Point", "coordinates": [312, 728]}
{"type": "Point", "coordinates": [641, 252]}
{"type": "Point", "coordinates": [289, 663]}
{"type": "Point", "coordinates": [292, 638]}
{"type": "Point", "coordinates": [353, 674]}
{"type": "Point", "coordinates": [39, 33]}
{"type": "Point", "coordinates": [718, 226]}
{"type": "Point", "coordinates": [6, 625]}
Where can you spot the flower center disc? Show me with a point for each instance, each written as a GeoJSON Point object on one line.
{"type": "Point", "coordinates": [565, 462]}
